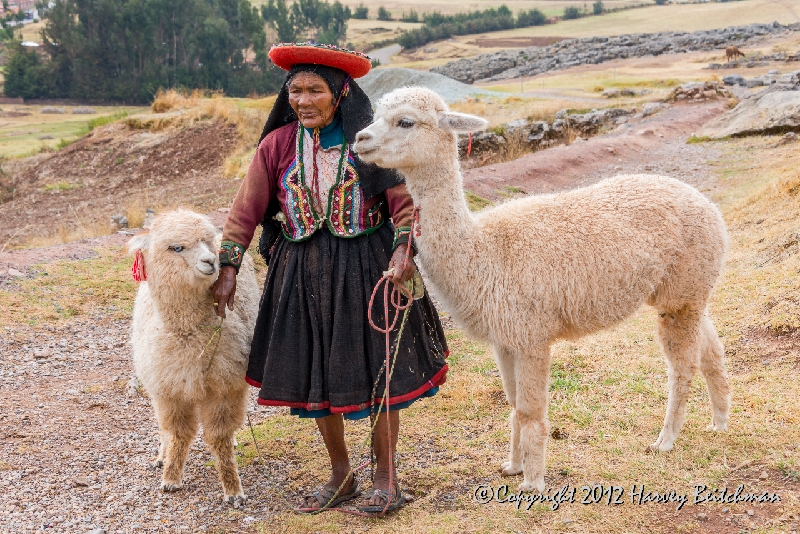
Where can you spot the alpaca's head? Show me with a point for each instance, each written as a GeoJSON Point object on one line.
{"type": "Point", "coordinates": [180, 250]}
{"type": "Point", "coordinates": [413, 127]}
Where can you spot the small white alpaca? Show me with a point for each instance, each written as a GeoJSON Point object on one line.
{"type": "Point", "coordinates": [192, 372]}
{"type": "Point", "coordinates": [533, 270]}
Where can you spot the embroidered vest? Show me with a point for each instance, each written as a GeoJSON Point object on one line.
{"type": "Point", "coordinates": [345, 216]}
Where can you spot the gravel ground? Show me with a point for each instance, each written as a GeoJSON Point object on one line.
{"type": "Point", "coordinates": [76, 443]}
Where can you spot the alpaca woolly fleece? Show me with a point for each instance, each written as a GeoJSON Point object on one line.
{"type": "Point", "coordinates": [528, 272]}
{"type": "Point", "coordinates": [192, 371]}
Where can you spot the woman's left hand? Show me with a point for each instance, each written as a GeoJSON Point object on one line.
{"type": "Point", "coordinates": [396, 262]}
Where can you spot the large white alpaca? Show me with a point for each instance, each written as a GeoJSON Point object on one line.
{"type": "Point", "coordinates": [191, 372]}
{"type": "Point", "coordinates": [528, 272]}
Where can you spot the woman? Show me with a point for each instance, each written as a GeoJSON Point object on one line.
{"type": "Point", "coordinates": [342, 224]}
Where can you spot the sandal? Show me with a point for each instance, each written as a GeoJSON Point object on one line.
{"type": "Point", "coordinates": [328, 498]}
{"type": "Point", "coordinates": [394, 501]}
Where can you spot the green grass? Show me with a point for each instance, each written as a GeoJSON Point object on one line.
{"type": "Point", "coordinates": [476, 202]}
{"type": "Point", "coordinates": [60, 186]}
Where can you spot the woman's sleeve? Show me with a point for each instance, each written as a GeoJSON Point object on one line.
{"type": "Point", "coordinates": [249, 207]}
{"type": "Point", "coordinates": [401, 208]}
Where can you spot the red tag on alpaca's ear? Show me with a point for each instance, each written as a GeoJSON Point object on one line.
{"type": "Point", "coordinates": [469, 145]}
{"type": "Point", "coordinates": [138, 269]}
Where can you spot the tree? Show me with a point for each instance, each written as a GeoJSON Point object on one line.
{"type": "Point", "coordinates": [597, 7]}
{"type": "Point", "coordinates": [571, 13]}
{"type": "Point", "coordinates": [128, 49]}
{"type": "Point", "coordinates": [661, 2]}
{"type": "Point", "coordinates": [361, 12]}
{"type": "Point", "coordinates": [383, 14]}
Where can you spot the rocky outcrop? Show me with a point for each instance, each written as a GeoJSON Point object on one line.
{"type": "Point", "coordinates": [573, 52]}
{"type": "Point", "coordinates": [540, 134]}
{"type": "Point", "coordinates": [775, 109]}
{"type": "Point", "coordinates": [699, 91]}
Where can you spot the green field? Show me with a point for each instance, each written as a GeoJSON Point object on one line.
{"type": "Point", "coordinates": [20, 136]}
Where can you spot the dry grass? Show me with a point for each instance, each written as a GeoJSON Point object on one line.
{"type": "Point", "coordinates": [173, 109]}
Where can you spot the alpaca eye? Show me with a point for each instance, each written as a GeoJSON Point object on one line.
{"type": "Point", "coordinates": [405, 123]}
{"type": "Point", "coordinates": [175, 248]}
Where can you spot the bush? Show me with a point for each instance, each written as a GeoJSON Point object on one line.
{"type": "Point", "coordinates": [597, 7]}
{"type": "Point", "coordinates": [361, 12]}
{"type": "Point", "coordinates": [375, 62]}
{"type": "Point", "coordinates": [383, 14]}
{"type": "Point", "coordinates": [661, 2]}
{"type": "Point", "coordinates": [534, 17]}
{"type": "Point", "coordinates": [411, 17]}
{"type": "Point", "coordinates": [571, 13]}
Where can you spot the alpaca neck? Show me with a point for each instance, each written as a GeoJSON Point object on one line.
{"type": "Point", "coordinates": [447, 240]}
{"type": "Point", "coordinates": [184, 309]}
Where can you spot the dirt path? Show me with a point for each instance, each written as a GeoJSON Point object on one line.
{"type": "Point", "coordinates": [652, 144]}
{"type": "Point", "coordinates": [76, 443]}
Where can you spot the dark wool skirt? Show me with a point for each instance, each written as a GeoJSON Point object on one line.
{"type": "Point", "coordinates": [313, 347]}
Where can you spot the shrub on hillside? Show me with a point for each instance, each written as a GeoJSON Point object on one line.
{"type": "Point", "coordinates": [361, 12]}
{"type": "Point", "coordinates": [411, 17]}
{"type": "Point", "coordinates": [383, 14]}
{"type": "Point", "coordinates": [572, 12]}
{"type": "Point", "coordinates": [534, 17]}
{"type": "Point", "coordinates": [597, 7]}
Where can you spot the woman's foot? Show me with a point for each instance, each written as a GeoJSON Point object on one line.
{"type": "Point", "coordinates": [382, 498]}
{"type": "Point", "coordinates": [330, 495]}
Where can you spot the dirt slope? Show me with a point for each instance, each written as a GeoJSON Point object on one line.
{"type": "Point", "coordinates": [116, 167]}
{"type": "Point", "coordinates": [647, 144]}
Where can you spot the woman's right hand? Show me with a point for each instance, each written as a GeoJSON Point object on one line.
{"type": "Point", "coordinates": [224, 289]}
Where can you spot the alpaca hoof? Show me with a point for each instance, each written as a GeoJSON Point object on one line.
{"type": "Point", "coordinates": [508, 469]}
{"type": "Point", "coordinates": [237, 501]}
{"type": "Point", "coordinates": [158, 464]}
{"type": "Point", "coordinates": [717, 427]}
{"type": "Point", "coordinates": [659, 446]}
{"type": "Point", "coordinates": [171, 486]}
{"type": "Point", "coordinates": [537, 485]}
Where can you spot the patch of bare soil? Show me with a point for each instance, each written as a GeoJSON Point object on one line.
{"type": "Point", "coordinates": [516, 42]}
{"type": "Point", "coordinates": [112, 168]}
{"type": "Point", "coordinates": [655, 144]}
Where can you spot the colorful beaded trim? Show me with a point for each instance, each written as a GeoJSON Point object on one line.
{"type": "Point", "coordinates": [401, 234]}
{"type": "Point", "coordinates": [232, 254]}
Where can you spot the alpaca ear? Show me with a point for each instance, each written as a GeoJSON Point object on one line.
{"type": "Point", "coordinates": [139, 242]}
{"type": "Point", "coordinates": [461, 122]}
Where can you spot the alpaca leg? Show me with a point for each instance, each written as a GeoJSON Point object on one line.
{"type": "Point", "coordinates": [221, 418]}
{"type": "Point", "coordinates": [712, 367]}
{"type": "Point", "coordinates": [505, 363]}
{"type": "Point", "coordinates": [532, 373]}
{"type": "Point", "coordinates": [163, 441]}
{"type": "Point", "coordinates": [177, 421]}
{"type": "Point", "coordinates": [679, 335]}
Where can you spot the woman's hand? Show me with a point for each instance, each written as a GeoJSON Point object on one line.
{"type": "Point", "coordinates": [396, 263]}
{"type": "Point", "coordinates": [224, 289]}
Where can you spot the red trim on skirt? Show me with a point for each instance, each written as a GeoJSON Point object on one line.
{"type": "Point", "coordinates": [437, 380]}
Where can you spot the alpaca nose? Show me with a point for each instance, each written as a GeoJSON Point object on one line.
{"type": "Point", "coordinates": [363, 136]}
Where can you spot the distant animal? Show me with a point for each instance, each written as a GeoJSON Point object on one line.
{"type": "Point", "coordinates": [192, 371]}
{"type": "Point", "coordinates": [733, 52]}
{"type": "Point", "coordinates": [558, 266]}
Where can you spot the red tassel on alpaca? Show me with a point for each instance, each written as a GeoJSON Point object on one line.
{"type": "Point", "coordinates": [138, 270]}
{"type": "Point", "coordinates": [469, 145]}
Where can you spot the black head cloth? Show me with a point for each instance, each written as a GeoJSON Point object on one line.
{"type": "Point", "coordinates": [355, 109]}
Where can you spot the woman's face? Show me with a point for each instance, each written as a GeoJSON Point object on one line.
{"type": "Point", "coordinates": [312, 100]}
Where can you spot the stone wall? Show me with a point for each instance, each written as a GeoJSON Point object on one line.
{"type": "Point", "coordinates": [573, 52]}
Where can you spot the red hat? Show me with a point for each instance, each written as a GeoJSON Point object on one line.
{"type": "Point", "coordinates": [286, 55]}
